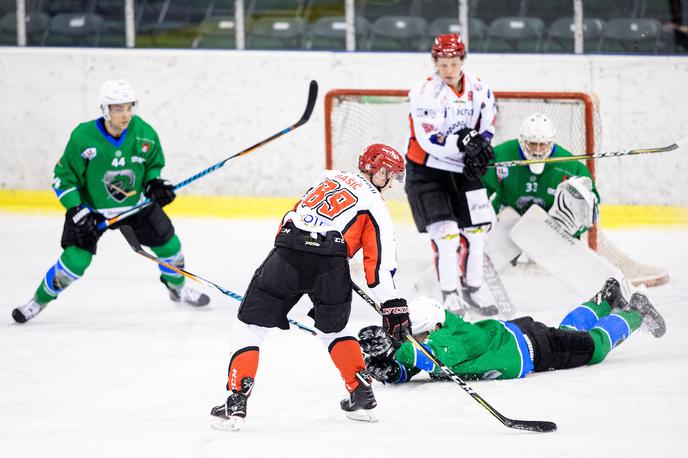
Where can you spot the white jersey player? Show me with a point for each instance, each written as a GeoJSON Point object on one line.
{"type": "Point", "coordinates": [340, 214]}
{"type": "Point", "coordinates": [452, 121]}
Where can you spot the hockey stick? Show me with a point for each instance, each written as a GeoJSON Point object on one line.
{"type": "Point", "coordinates": [133, 242]}
{"type": "Point", "coordinates": [310, 104]}
{"type": "Point", "coordinates": [525, 425]}
{"type": "Point", "coordinates": [550, 160]}
{"type": "Point", "coordinates": [496, 287]}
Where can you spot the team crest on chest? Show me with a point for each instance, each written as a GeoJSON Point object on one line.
{"type": "Point", "coordinates": [89, 153]}
{"type": "Point", "coordinates": [120, 184]}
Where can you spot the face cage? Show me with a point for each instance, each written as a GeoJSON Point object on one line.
{"type": "Point", "coordinates": [538, 156]}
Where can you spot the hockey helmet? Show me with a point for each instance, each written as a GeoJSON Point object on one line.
{"type": "Point", "coordinates": [537, 128]}
{"type": "Point", "coordinates": [425, 314]}
{"type": "Point", "coordinates": [377, 156]}
{"type": "Point", "coordinates": [114, 92]}
{"type": "Point", "coordinates": [448, 45]}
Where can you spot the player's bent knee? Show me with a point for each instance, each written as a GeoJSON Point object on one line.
{"type": "Point", "coordinates": [76, 259]}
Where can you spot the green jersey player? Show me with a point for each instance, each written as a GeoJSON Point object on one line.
{"type": "Point", "coordinates": [495, 349]}
{"type": "Point", "coordinates": [109, 165]}
{"type": "Point", "coordinates": [539, 184]}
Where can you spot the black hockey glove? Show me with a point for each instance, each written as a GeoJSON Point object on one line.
{"type": "Point", "coordinates": [477, 153]}
{"type": "Point", "coordinates": [383, 369]}
{"type": "Point", "coordinates": [395, 318]}
{"type": "Point", "coordinates": [82, 222]}
{"type": "Point", "coordinates": [160, 191]}
{"type": "Point", "coordinates": [375, 342]}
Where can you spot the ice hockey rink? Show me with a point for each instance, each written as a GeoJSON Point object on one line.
{"type": "Point", "coordinates": [114, 369]}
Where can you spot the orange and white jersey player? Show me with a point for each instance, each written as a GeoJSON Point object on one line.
{"type": "Point", "coordinates": [340, 214]}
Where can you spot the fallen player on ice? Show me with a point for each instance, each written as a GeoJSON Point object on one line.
{"type": "Point", "coordinates": [495, 349]}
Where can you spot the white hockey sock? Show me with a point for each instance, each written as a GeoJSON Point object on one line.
{"type": "Point", "coordinates": [475, 238]}
{"type": "Point", "coordinates": [445, 235]}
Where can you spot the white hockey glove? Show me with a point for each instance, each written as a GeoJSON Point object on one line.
{"type": "Point", "coordinates": [575, 205]}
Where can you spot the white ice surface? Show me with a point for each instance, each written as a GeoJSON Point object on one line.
{"type": "Point", "coordinates": [114, 369]}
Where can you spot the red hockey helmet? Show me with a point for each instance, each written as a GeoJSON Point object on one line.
{"type": "Point", "coordinates": [448, 45]}
{"type": "Point", "coordinates": [377, 156]}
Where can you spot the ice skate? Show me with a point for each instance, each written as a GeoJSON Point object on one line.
{"type": "Point", "coordinates": [25, 312]}
{"type": "Point", "coordinates": [361, 401]}
{"type": "Point", "coordinates": [187, 295]}
{"type": "Point", "coordinates": [469, 296]}
{"type": "Point", "coordinates": [653, 322]}
{"type": "Point", "coordinates": [452, 301]}
{"type": "Point", "coordinates": [230, 415]}
{"type": "Point", "coordinates": [611, 292]}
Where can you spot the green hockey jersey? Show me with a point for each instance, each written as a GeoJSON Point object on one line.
{"type": "Point", "coordinates": [519, 188]}
{"type": "Point", "coordinates": [104, 172]}
{"type": "Point", "coordinates": [487, 349]}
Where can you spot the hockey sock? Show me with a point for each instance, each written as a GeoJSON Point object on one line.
{"type": "Point", "coordinates": [69, 267]}
{"type": "Point", "coordinates": [445, 243]}
{"type": "Point", "coordinates": [246, 339]}
{"type": "Point", "coordinates": [475, 249]}
{"type": "Point", "coordinates": [171, 253]}
{"type": "Point", "coordinates": [585, 316]}
{"type": "Point", "coordinates": [611, 330]}
{"type": "Point", "coordinates": [346, 355]}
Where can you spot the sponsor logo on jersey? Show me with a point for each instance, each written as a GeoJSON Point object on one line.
{"type": "Point", "coordinates": [424, 112]}
{"type": "Point", "coordinates": [502, 172]}
{"type": "Point", "coordinates": [464, 111]}
{"type": "Point", "coordinates": [137, 160]}
{"type": "Point", "coordinates": [427, 127]}
{"type": "Point", "coordinates": [88, 154]}
{"type": "Point", "coordinates": [438, 139]}
{"type": "Point", "coordinates": [120, 184]}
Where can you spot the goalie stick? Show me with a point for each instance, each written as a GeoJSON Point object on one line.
{"type": "Point", "coordinates": [133, 242]}
{"type": "Point", "coordinates": [550, 160]}
{"type": "Point", "coordinates": [525, 425]}
{"type": "Point", "coordinates": [310, 104]}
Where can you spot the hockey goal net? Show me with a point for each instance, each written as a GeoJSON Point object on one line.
{"type": "Point", "coordinates": [355, 118]}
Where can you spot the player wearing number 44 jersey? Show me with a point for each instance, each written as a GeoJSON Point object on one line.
{"type": "Point", "coordinates": [109, 165]}
{"type": "Point", "coordinates": [342, 213]}
{"type": "Point", "coordinates": [452, 122]}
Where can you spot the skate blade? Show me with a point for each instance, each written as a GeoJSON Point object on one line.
{"type": "Point", "coordinates": [230, 424]}
{"type": "Point", "coordinates": [361, 415]}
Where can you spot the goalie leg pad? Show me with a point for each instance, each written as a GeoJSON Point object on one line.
{"type": "Point", "coordinates": [445, 237]}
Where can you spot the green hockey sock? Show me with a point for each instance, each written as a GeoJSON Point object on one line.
{"type": "Point", "coordinates": [171, 253]}
{"type": "Point", "coordinates": [611, 330]}
{"type": "Point", "coordinates": [70, 266]}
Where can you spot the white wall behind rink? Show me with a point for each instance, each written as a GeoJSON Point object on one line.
{"type": "Point", "coordinates": [207, 105]}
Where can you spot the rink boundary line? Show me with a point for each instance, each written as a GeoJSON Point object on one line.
{"type": "Point", "coordinates": [240, 207]}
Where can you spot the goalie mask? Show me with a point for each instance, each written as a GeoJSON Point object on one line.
{"type": "Point", "coordinates": [378, 156]}
{"type": "Point", "coordinates": [115, 92]}
{"type": "Point", "coordinates": [425, 314]}
{"type": "Point", "coordinates": [536, 138]}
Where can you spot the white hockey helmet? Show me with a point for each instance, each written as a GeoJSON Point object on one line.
{"type": "Point", "coordinates": [114, 92]}
{"type": "Point", "coordinates": [425, 313]}
{"type": "Point", "coordinates": [537, 128]}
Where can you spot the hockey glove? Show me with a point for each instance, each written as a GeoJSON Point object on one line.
{"type": "Point", "coordinates": [160, 191]}
{"type": "Point", "coordinates": [375, 342]}
{"type": "Point", "coordinates": [477, 153]}
{"type": "Point", "coordinates": [395, 318]}
{"type": "Point", "coordinates": [385, 370]}
{"type": "Point", "coordinates": [82, 222]}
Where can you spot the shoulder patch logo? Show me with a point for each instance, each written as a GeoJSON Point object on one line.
{"type": "Point", "coordinates": [145, 147]}
{"type": "Point", "coordinates": [89, 153]}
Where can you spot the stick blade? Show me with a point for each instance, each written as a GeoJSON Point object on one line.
{"type": "Point", "coordinates": [310, 104]}
{"type": "Point", "coordinates": [533, 426]}
{"type": "Point", "coordinates": [130, 237]}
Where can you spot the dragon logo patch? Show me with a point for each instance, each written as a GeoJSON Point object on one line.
{"type": "Point", "coordinates": [120, 184]}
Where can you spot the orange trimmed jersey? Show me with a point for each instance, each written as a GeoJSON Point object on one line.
{"type": "Point", "coordinates": [348, 203]}
{"type": "Point", "coordinates": [438, 112]}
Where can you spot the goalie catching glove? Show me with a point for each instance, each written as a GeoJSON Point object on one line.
{"type": "Point", "coordinates": [395, 318]}
{"type": "Point", "coordinates": [575, 205]}
{"type": "Point", "coordinates": [160, 191]}
{"type": "Point", "coordinates": [477, 153]}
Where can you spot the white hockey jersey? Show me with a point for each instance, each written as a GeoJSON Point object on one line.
{"type": "Point", "coordinates": [438, 112]}
{"type": "Point", "coordinates": [348, 203]}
